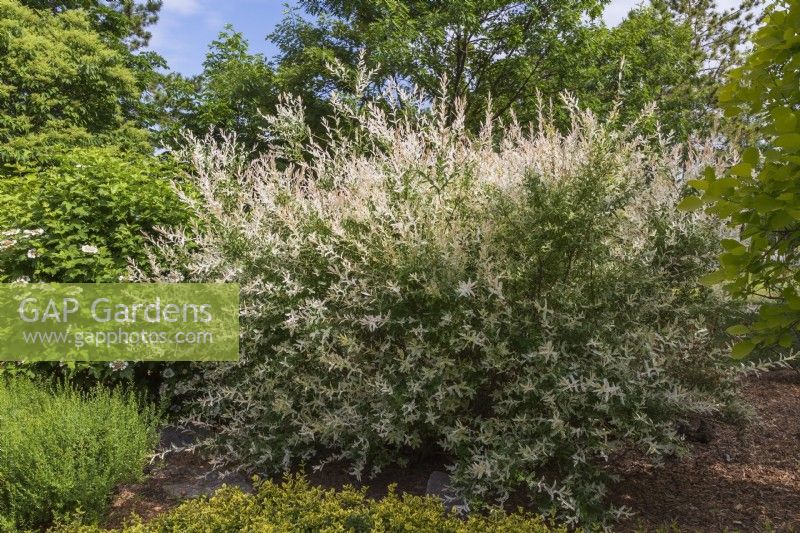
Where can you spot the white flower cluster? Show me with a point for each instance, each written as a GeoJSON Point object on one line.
{"type": "Point", "coordinates": [12, 241]}
{"type": "Point", "coordinates": [9, 242]}
{"type": "Point", "coordinates": [524, 301]}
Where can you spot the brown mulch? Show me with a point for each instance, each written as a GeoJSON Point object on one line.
{"type": "Point", "coordinates": [148, 498]}
{"type": "Point", "coordinates": [742, 480]}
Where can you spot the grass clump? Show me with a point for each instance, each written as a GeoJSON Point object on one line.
{"type": "Point", "coordinates": [62, 450]}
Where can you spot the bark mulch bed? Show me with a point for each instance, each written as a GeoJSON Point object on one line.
{"type": "Point", "coordinates": [743, 479]}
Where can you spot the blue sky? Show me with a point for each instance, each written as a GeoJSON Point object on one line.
{"type": "Point", "coordinates": [186, 27]}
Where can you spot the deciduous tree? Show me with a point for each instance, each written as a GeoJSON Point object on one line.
{"type": "Point", "coordinates": [760, 196]}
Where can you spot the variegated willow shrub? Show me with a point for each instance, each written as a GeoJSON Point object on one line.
{"type": "Point", "coordinates": [524, 301]}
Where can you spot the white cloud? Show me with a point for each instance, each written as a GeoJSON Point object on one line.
{"type": "Point", "coordinates": [617, 10]}
{"type": "Point", "coordinates": [182, 7]}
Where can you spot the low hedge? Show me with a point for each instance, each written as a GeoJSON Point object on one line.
{"type": "Point", "coordinates": [295, 505]}
{"type": "Point", "coordinates": [63, 451]}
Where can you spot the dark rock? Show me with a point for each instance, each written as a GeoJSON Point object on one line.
{"type": "Point", "coordinates": [439, 486]}
{"type": "Point", "coordinates": [206, 486]}
{"type": "Point", "coordinates": [177, 437]}
{"type": "Point", "coordinates": [703, 433]}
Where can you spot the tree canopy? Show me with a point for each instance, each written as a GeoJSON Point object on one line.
{"type": "Point", "coordinates": [760, 195]}
{"type": "Point", "coordinates": [123, 20]}
{"type": "Point", "coordinates": [63, 84]}
{"type": "Point", "coordinates": [518, 53]}
{"type": "Point", "coordinates": [506, 49]}
{"type": "Point", "coordinates": [232, 93]}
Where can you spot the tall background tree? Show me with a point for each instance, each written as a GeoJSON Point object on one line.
{"type": "Point", "coordinates": [76, 164]}
{"type": "Point", "coordinates": [122, 20]}
{"type": "Point", "coordinates": [518, 55]}
{"type": "Point", "coordinates": [506, 49]}
{"type": "Point", "coordinates": [673, 53]}
{"type": "Point", "coordinates": [63, 83]}
{"type": "Point", "coordinates": [234, 91]}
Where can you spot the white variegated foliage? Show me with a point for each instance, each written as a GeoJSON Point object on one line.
{"type": "Point", "coordinates": [524, 300]}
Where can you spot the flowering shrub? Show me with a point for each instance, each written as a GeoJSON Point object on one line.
{"type": "Point", "coordinates": [80, 216]}
{"type": "Point", "coordinates": [524, 301]}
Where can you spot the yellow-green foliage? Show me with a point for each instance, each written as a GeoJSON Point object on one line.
{"type": "Point", "coordinates": [294, 505]}
{"type": "Point", "coordinates": [61, 450]}
{"type": "Point", "coordinates": [61, 82]}
{"type": "Point", "coordinates": [82, 216]}
{"type": "Point", "coordinates": [759, 197]}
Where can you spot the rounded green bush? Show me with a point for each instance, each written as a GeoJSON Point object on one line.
{"type": "Point", "coordinates": [82, 215]}
{"type": "Point", "coordinates": [62, 450]}
{"type": "Point", "coordinates": [79, 217]}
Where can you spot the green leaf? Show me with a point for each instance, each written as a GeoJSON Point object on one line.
{"type": "Point", "coordinates": [690, 203]}
{"type": "Point", "coordinates": [700, 185]}
{"type": "Point", "coordinates": [738, 329]}
{"type": "Point", "coordinates": [786, 340]}
{"type": "Point", "coordinates": [785, 121]}
{"type": "Point", "coordinates": [724, 209]}
{"type": "Point", "coordinates": [765, 204]}
{"type": "Point", "coordinates": [780, 220]}
{"type": "Point", "coordinates": [789, 141]}
{"type": "Point", "coordinates": [750, 155]}
{"type": "Point", "coordinates": [744, 170]}
{"type": "Point", "coordinates": [730, 244]}
{"type": "Point", "coordinates": [716, 277]}
{"type": "Point", "coordinates": [742, 349]}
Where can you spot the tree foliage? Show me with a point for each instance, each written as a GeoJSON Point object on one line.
{"type": "Point", "coordinates": [760, 195]}
{"type": "Point", "coordinates": [232, 93]}
{"type": "Point", "coordinates": [672, 53]}
{"type": "Point", "coordinates": [121, 20]}
{"type": "Point", "coordinates": [507, 55]}
{"type": "Point", "coordinates": [506, 49]}
{"type": "Point", "coordinates": [62, 84]}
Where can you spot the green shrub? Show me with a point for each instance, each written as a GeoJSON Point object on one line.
{"type": "Point", "coordinates": [61, 450]}
{"type": "Point", "coordinates": [81, 215]}
{"type": "Point", "coordinates": [525, 302]}
{"type": "Point", "coordinates": [294, 505]}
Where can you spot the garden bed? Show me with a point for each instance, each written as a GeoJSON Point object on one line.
{"type": "Point", "coordinates": [743, 479]}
